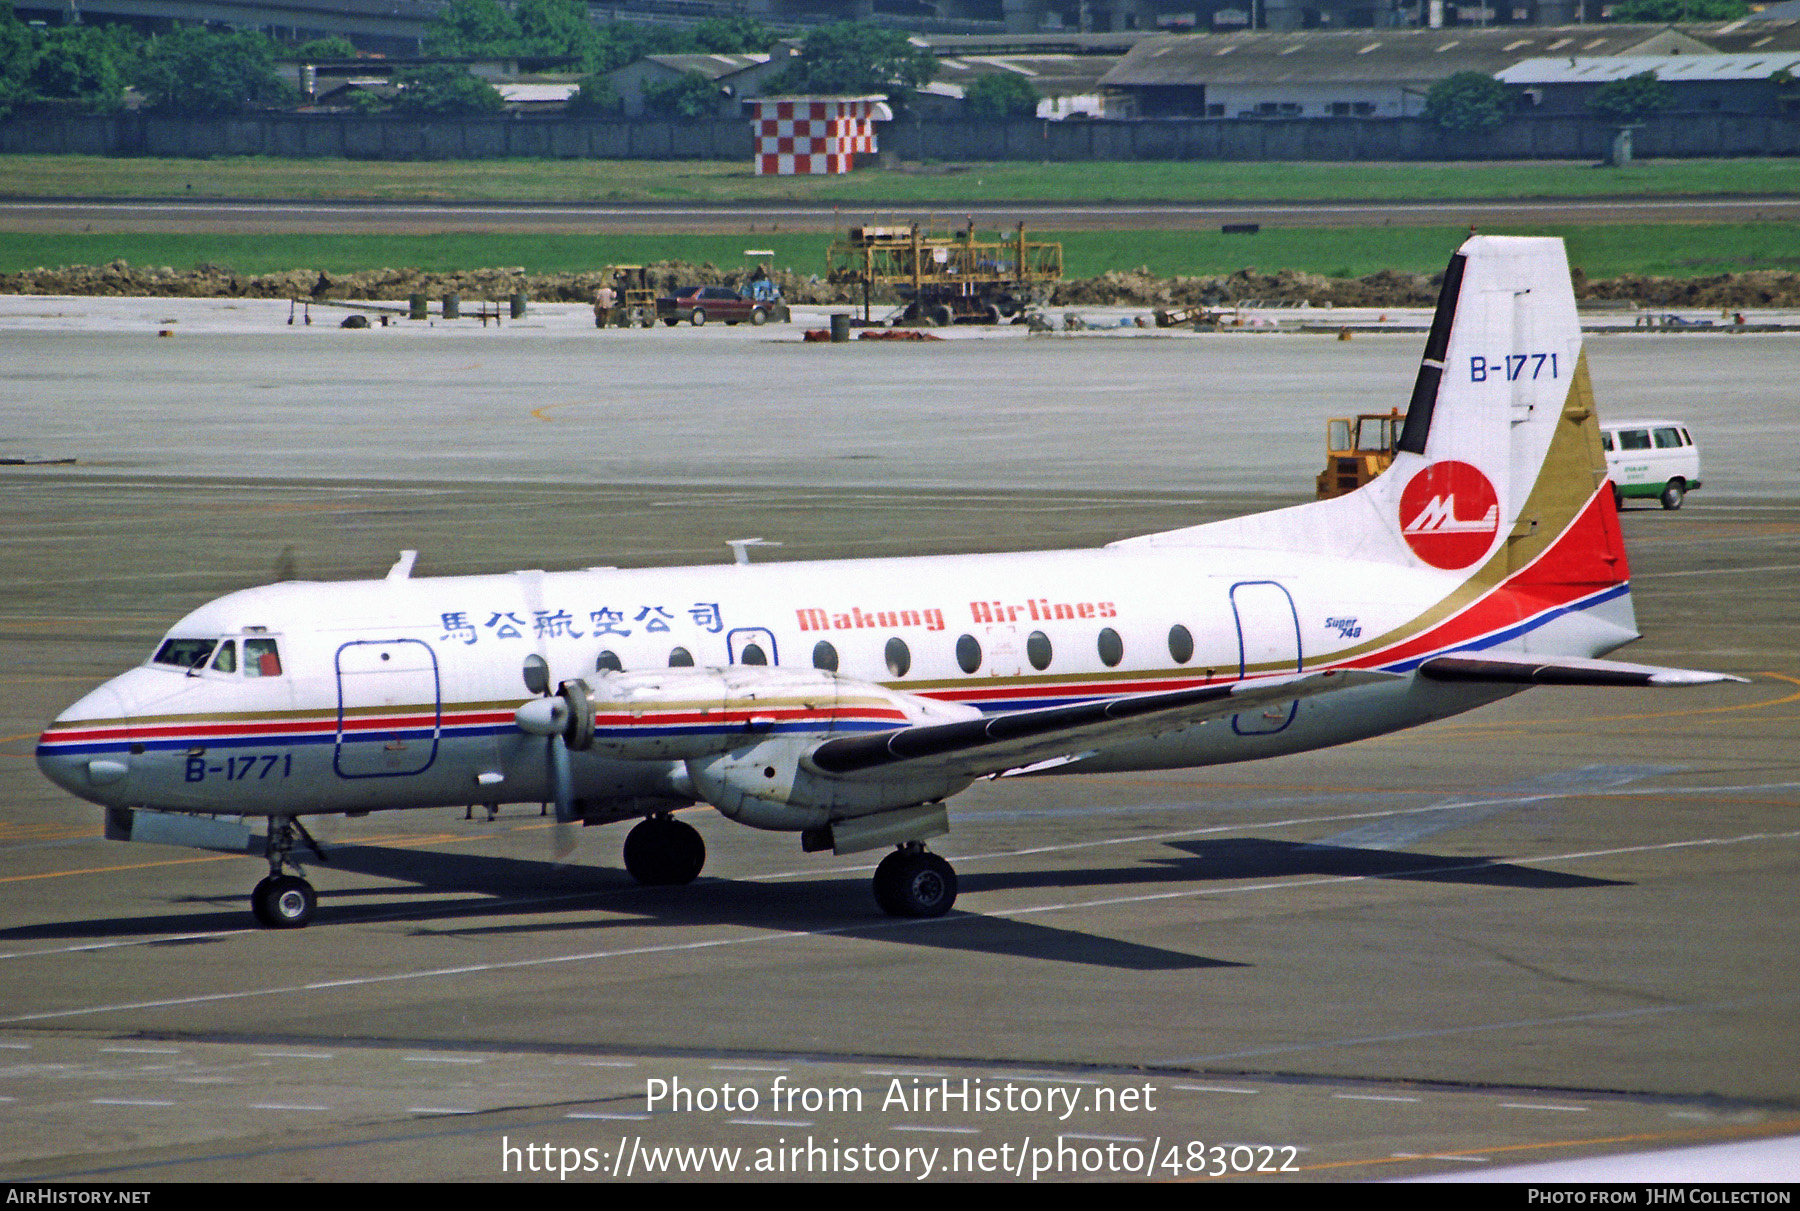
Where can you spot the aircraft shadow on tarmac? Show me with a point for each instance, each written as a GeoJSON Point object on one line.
{"type": "Point", "coordinates": [831, 906]}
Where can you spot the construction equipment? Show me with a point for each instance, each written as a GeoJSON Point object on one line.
{"type": "Point", "coordinates": [1357, 449]}
{"type": "Point", "coordinates": [634, 301]}
{"type": "Point", "coordinates": [946, 279]}
{"type": "Point", "coordinates": [1198, 316]}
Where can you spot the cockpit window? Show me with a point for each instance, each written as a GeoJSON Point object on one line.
{"type": "Point", "coordinates": [226, 660]}
{"type": "Point", "coordinates": [185, 653]}
{"type": "Point", "coordinates": [261, 658]}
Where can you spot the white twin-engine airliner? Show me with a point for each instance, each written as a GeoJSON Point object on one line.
{"type": "Point", "coordinates": [847, 701]}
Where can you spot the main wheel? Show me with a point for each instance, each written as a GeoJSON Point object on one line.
{"type": "Point", "coordinates": [670, 320]}
{"type": "Point", "coordinates": [664, 852]}
{"type": "Point", "coordinates": [913, 883]}
{"type": "Point", "coordinates": [283, 902]}
{"type": "Point", "coordinates": [758, 318]}
{"type": "Point", "coordinates": [698, 319]}
{"type": "Point", "coordinates": [940, 316]}
{"type": "Point", "coordinates": [1673, 493]}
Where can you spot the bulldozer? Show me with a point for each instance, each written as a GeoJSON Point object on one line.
{"type": "Point", "coordinates": [1357, 449]}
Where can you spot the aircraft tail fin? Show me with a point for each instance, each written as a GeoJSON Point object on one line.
{"type": "Point", "coordinates": [1499, 460]}
{"type": "Point", "coordinates": [1499, 476]}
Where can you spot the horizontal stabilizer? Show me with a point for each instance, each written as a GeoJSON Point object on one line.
{"type": "Point", "coordinates": [1002, 742]}
{"type": "Point", "coordinates": [1501, 669]}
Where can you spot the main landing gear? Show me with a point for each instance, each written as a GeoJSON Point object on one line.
{"type": "Point", "coordinates": [912, 883]}
{"type": "Point", "coordinates": [661, 851]}
{"type": "Point", "coordinates": [284, 901]}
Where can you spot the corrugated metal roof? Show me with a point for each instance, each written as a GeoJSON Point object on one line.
{"type": "Point", "coordinates": [1392, 55]}
{"type": "Point", "coordinates": [1671, 69]}
{"type": "Point", "coordinates": [713, 67]}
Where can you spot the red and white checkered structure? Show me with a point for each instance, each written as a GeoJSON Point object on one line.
{"type": "Point", "coordinates": [799, 136]}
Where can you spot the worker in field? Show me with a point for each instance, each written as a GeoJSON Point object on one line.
{"type": "Point", "coordinates": [604, 298]}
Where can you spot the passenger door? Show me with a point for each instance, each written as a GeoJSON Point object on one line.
{"type": "Point", "coordinates": [1268, 643]}
{"type": "Point", "coordinates": [390, 711]}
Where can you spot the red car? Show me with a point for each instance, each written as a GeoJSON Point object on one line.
{"type": "Point", "coordinates": [700, 304]}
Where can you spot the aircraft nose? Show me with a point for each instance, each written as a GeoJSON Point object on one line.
{"type": "Point", "coordinates": [86, 750]}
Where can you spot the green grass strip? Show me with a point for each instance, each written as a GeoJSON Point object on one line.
{"type": "Point", "coordinates": [1676, 250]}
{"type": "Point", "coordinates": [713, 181]}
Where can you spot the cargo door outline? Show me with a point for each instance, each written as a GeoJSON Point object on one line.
{"type": "Point", "coordinates": [1268, 630]}
{"type": "Point", "coordinates": [401, 674]}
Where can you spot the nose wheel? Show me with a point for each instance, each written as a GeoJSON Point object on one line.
{"type": "Point", "coordinates": [284, 901]}
{"type": "Point", "coordinates": [912, 883]}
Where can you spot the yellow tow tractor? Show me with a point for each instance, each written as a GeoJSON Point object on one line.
{"type": "Point", "coordinates": [1357, 449]}
{"type": "Point", "coordinates": [634, 301]}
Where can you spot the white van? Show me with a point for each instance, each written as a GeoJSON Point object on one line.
{"type": "Point", "coordinates": [1651, 458]}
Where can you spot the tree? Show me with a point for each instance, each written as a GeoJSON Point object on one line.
{"type": "Point", "coordinates": [78, 63]}
{"type": "Point", "coordinates": [1001, 95]}
{"type": "Point", "coordinates": [194, 70]}
{"type": "Point", "coordinates": [597, 94]}
{"type": "Point", "coordinates": [1672, 11]}
{"type": "Point", "coordinates": [855, 59]}
{"type": "Point", "coordinates": [555, 27]}
{"type": "Point", "coordinates": [738, 34]}
{"type": "Point", "coordinates": [691, 95]}
{"type": "Point", "coordinates": [471, 29]}
{"type": "Point", "coordinates": [321, 50]}
{"type": "Point", "coordinates": [444, 90]}
{"type": "Point", "coordinates": [1632, 99]}
{"type": "Point", "coordinates": [1468, 102]}
{"type": "Point", "coordinates": [18, 51]}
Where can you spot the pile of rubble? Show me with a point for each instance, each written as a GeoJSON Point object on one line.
{"type": "Point", "coordinates": [1136, 287]}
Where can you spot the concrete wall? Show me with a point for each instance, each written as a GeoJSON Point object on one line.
{"type": "Point", "coordinates": [1536, 136]}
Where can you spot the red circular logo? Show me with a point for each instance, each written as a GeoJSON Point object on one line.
{"type": "Point", "coordinates": [1449, 515]}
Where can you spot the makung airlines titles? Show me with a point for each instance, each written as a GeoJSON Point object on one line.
{"type": "Point", "coordinates": [1035, 609]}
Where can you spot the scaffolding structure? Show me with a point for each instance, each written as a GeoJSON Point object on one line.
{"type": "Point", "coordinates": [947, 279]}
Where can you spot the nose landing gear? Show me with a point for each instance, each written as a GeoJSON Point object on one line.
{"type": "Point", "coordinates": [284, 901]}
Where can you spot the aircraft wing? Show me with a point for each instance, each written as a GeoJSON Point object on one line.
{"type": "Point", "coordinates": [1004, 742]}
{"type": "Point", "coordinates": [1503, 668]}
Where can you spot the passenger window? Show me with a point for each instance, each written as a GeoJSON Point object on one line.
{"type": "Point", "coordinates": [1667, 439]}
{"type": "Point", "coordinates": [1112, 648]}
{"type": "Point", "coordinates": [261, 658]}
{"type": "Point", "coordinates": [899, 656]}
{"type": "Point", "coordinates": [680, 658]}
{"type": "Point", "coordinates": [1634, 439]}
{"type": "Point", "coordinates": [608, 662]}
{"type": "Point", "coordinates": [226, 660]}
{"type": "Point", "coordinates": [825, 656]}
{"type": "Point", "coordinates": [184, 653]}
{"type": "Point", "coordinates": [1037, 650]}
{"type": "Point", "coordinates": [968, 653]}
{"type": "Point", "coordinates": [753, 654]}
{"type": "Point", "coordinates": [1181, 644]}
{"type": "Point", "coordinates": [1337, 434]}
{"type": "Point", "coordinates": [1686, 438]}
{"type": "Point", "coordinates": [1606, 442]}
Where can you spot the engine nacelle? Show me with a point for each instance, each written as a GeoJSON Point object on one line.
{"type": "Point", "coordinates": [771, 785]}
{"type": "Point", "coordinates": [693, 714]}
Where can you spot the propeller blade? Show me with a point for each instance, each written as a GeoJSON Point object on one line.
{"type": "Point", "coordinates": [562, 787]}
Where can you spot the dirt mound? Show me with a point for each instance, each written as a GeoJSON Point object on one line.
{"type": "Point", "coordinates": [218, 281]}
{"type": "Point", "coordinates": [1129, 288]}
